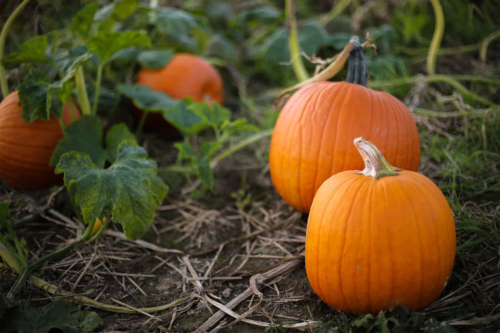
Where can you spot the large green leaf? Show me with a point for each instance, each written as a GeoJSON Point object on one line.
{"type": "Point", "coordinates": [311, 38]}
{"type": "Point", "coordinates": [176, 22]}
{"type": "Point", "coordinates": [115, 12]}
{"type": "Point", "coordinates": [116, 135]}
{"type": "Point", "coordinates": [57, 316]}
{"type": "Point", "coordinates": [106, 44]}
{"type": "Point", "coordinates": [146, 99]}
{"type": "Point", "coordinates": [214, 116]}
{"type": "Point", "coordinates": [155, 59]}
{"type": "Point", "coordinates": [32, 50]}
{"type": "Point", "coordinates": [82, 21]}
{"type": "Point", "coordinates": [184, 119]}
{"type": "Point", "coordinates": [129, 188]}
{"type": "Point", "coordinates": [39, 98]}
{"type": "Point", "coordinates": [84, 135]}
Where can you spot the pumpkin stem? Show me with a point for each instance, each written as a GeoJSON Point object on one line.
{"type": "Point", "coordinates": [357, 66]}
{"type": "Point", "coordinates": [376, 165]}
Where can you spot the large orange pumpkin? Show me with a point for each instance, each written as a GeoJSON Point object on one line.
{"type": "Point", "coordinates": [26, 149]}
{"type": "Point", "coordinates": [312, 137]}
{"type": "Point", "coordinates": [379, 238]}
{"type": "Point", "coordinates": [186, 75]}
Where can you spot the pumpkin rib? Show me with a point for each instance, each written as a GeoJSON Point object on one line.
{"type": "Point", "coordinates": [403, 140]}
{"type": "Point", "coordinates": [393, 117]}
{"type": "Point", "coordinates": [287, 150]}
{"type": "Point", "coordinates": [428, 186]}
{"type": "Point", "coordinates": [418, 236]}
{"type": "Point", "coordinates": [338, 91]}
{"type": "Point", "coordinates": [420, 186]}
{"type": "Point", "coordinates": [346, 232]}
{"type": "Point", "coordinates": [390, 241]}
{"type": "Point", "coordinates": [320, 228]}
{"type": "Point", "coordinates": [320, 92]}
{"type": "Point", "coordinates": [449, 244]}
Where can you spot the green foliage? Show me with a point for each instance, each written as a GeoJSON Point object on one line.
{"type": "Point", "coordinates": [39, 97]}
{"type": "Point", "coordinates": [155, 59]}
{"type": "Point", "coordinates": [107, 44]}
{"type": "Point", "coordinates": [115, 136]}
{"type": "Point", "coordinates": [129, 188]}
{"type": "Point", "coordinates": [114, 12]}
{"type": "Point", "coordinates": [59, 315]}
{"type": "Point", "coordinates": [146, 99]}
{"type": "Point", "coordinates": [82, 21]}
{"type": "Point", "coordinates": [32, 50]}
{"type": "Point", "coordinates": [86, 136]}
{"type": "Point", "coordinates": [4, 212]}
{"type": "Point", "coordinates": [176, 22]}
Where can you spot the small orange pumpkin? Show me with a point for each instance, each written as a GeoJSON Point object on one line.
{"type": "Point", "coordinates": [312, 137]}
{"type": "Point", "coordinates": [186, 75]}
{"type": "Point", "coordinates": [379, 238]}
{"type": "Point", "coordinates": [26, 149]}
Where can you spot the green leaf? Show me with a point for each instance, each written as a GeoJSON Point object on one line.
{"type": "Point", "coordinates": [32, 50]}
{"type": "Point", "coordinates": [85, 136]}
{"type": "Point", "coordinates": [186, 151]}
{"type": "Point", "coordinates": [237, 126]}
{"type": "Point", "coordinates": [37, 97]}
{"type": "Point", "coordinates": [68, 61]}
{"type": "Point", "coordinates": [108, 99]}
{"type": "Point", "coordinates": [115, 12]}
{"type": "Point", "coordinates": [155, 59]}
{"type": "Point", "coordinates": [82, 21]}
{"type": "Point", "coordinates": [116, 135]}
{"type": "Point", "coordinates": [260, 14]}
{"type": "Point", "coordinates": [130, 187]}
{"type": "Point", "coordinates": [146, 99]}
{"type": "Point", "coordinates": [311, 38]}
{"type": "Point", "coordinates": [203, 164]}
{"type": "Point", "coordinates": [185, 120]}
{"type": "Point", "coordinates": [176, 22]}
{"type": "Point", "coordinates": [106, 44]}
{"type": "Point", "coordinates": [4, 212]}
{"type": "Point", "coordinates": [214, 116]}
{"type": "Point", "coordinates": [209, 148]}
{"type": "Point", "coordinates": [58, 315]}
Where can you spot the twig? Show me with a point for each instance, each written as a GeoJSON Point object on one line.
{"type": "Point", "coordinates": [278, 271]}
{"type": "Point", "coordinates": [141, 243]}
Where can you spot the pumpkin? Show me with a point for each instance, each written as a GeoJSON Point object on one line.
{"type": "Point", "coordinates": [379, 238]}
{"type": "Point", "coordinates": [311, 139]}
{"type": "Point", "coordinates": [26, 149]}
{"type": "Point", "coordinates": [186, 75]}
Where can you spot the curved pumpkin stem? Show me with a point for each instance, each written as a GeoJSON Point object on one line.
{"type": "Point", "coordinates": [376, 165]}
{"type": "Point", "coordinates": [330, 71]}
{"type": "Point", "coordinates": [357, 67]}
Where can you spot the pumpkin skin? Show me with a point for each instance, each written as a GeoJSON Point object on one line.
{"type": "Point", "coordinates": [186, 75]}
{"type": "Point", "coordinates": [372, 244]}
{"type": "Point", "coordinates": [26, 149]}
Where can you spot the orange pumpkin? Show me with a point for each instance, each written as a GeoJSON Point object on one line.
{"type": "Point", "coordinates": [26, 149]}
{"type": "Point", "coordinates": [312, 137]}
{"type": "Point", "coordinates": [186, 75]}
{"type": "Point", "coordinates": [379, 238]}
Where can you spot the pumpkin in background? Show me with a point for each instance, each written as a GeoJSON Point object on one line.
{"type": "Point", "coordinates": [186, 75]}
{"type": "Point", "coordinates": [379, 238]}
{"type": "Point", "coordinates": [313, 135]}
{"type": "Point", "coordinates": [26, 149]}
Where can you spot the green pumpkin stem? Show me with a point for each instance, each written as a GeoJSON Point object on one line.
{"type": "Point", "coordinates": [357, 66]}
{"type": "Point", "coordinates": [376, 165]}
